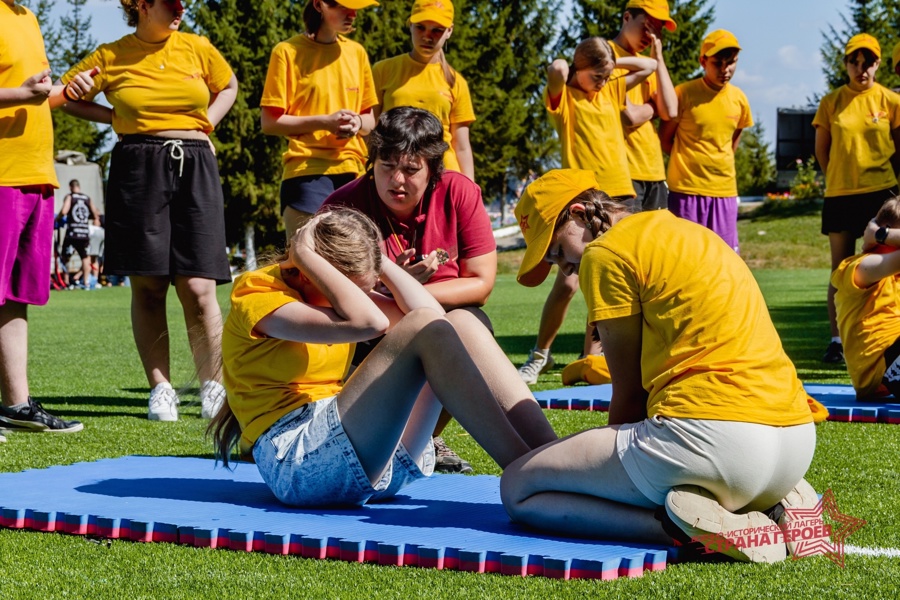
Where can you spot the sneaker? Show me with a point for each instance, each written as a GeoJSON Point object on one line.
{"type": "Point", "coordinates": [212, 397]}
{"type": "Point", "coordinates": [448, 461]}
{"type": "Point", "coordinates": [697, 513]}
{"type": "Point", "coordinates": [34, 418]}
{"type": "Point", "coordinates": [802, 496]}
{"type": "Point", "coordinates": [834, 354]}
{"type": "Point", "coordinates": [537, 363]}
{"type": "Point", "coordinates": [163, 404]}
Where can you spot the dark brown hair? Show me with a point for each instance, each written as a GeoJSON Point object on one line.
{"type": "Point", "coordinates": [889, 213]}
{"type": "Point", "coordinates": [409, 131]}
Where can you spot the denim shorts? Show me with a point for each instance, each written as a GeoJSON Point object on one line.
{"type": "Point", "coordinates": [307, 459]}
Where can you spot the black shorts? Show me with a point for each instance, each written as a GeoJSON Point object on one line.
{"type": "Point", "coordinates": [165, 213]}
{"type": "Point", "coordinates": [72, 246]}
{"type": "Point", "coordinates": [308, 192]}
{"type": "Point", "coordinates": [853, 212]}
{"type": "Point", "coordinates": [652, 195]}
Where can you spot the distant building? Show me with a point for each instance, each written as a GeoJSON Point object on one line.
{"type": "Point", "coordinates": [795, 138]}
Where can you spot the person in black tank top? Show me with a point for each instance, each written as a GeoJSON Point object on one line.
{"type": "Point", "coordinates": [78, 214]}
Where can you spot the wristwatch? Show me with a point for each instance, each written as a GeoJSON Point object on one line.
{"type": "Point", "coordinates": [881, 235]}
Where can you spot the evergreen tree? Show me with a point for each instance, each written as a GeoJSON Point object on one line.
{"type": "Point", "coordinates": [382, 30]}
{"type": "Point", "coordinates": [250, 162]}
{"type": "Point", "coordinates": [72, 41]}
{"type": "Point", "coordinates": [754, 162]}
{"type": "Point", "coordinates": [879, 18]}
{"type": "Point", "coordinates": [681, 48]}
{"type": "Point", "coordinates": [502, 48]}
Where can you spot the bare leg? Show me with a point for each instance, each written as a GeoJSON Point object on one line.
{"type": "Point", "coordinates": [149, 325]}
{"type": "Point", "coordinates": [293, 220]}
{"type": "Point", "coordinates": [577, 486]}
{"type": "Point", "coordinates": [591, 345]}
{"type": "Point", "coordinates": [376, 403]}
{"type": "Point", "coordinates": [204, 324]}
{"type": "Point", "coordinates": [13, 353]}
{"type": "Point", "coordinates": [555, 308]}
{"type": "Point", "coordinates": [843, 245]}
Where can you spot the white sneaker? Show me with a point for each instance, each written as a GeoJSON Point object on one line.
{"type": "Point", "coordinates": [537, 363]}
{"type": "Point", "coordinates": [212, 396]}
{"type": "Point", "coordinates": [698, 514]}
{"type": "Point", "coordinates": [163, 403]}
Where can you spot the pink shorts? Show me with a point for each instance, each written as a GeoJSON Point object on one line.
{"type": "Point", "coordinates": [26, 243]}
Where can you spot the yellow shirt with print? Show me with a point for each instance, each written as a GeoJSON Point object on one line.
{"type": "Point", "coordinates": [402, 81]}
{"type": "Point", "coordinates": [590, 134]}
{"type": "Point", "coordinates": [266, 378]}
{"type": "Point", "coordinates": [306, 78]}
{"type": "Point", "coordinates": [645, 159]}
{"type": "Point", "coordinates": [26, 130]}
{"type": "Point", "coordinates": [860, 125]}
{"type": "Point", "coordinates": [154, 87]}
{"type": "Point", "coordinates": [709, 349]}
{"type": "Point", "coordinates": [868, 321]}
{"type": "Point", "coordinates": [702, 158]}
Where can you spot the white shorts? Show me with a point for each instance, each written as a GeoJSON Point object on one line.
{"type": "Point", "coordinates": [747, 466]}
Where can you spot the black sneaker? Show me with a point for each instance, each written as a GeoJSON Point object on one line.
{"type": "Point", "coordinates": [448, 461]}
{"type": "Point", "coordinates": [834, 354]}
{"type": "Point", "coordinates": [36, 419]}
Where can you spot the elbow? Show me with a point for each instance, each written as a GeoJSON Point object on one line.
{"type": "Point", "coordinates": [376, 325]}
{"type": "Point", "coordinates": [267, 126]}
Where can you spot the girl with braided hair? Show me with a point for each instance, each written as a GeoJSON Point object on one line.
{"type": "Point", "coordinates": [700, 383]}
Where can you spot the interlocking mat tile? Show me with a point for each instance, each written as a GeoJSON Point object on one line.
{"type": "Point", "coordinates": [444, 522]}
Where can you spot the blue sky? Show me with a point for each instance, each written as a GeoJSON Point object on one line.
{"type": "Point", "coordinates": [779, 66]}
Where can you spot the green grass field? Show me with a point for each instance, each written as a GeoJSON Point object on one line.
{"type": "Point", "coordinates": [83, 365]}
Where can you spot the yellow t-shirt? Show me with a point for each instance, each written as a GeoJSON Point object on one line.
{"type": "Point", "coordinates": [401, 81]}
{"type": "Point", "coordinates": [860, 125]}
{"type": "Point", "coordinates": [709, 348]}
{"type": "Point", "coordinates": [306, 78]}
{"type": "Point", "coordinates": [154, 87]}
{"type": "Point", "coordinates": [869, 322]}
{"type": "Point", "coordinates": [645, 159]}
{"type": "Point", "coordinates": [266, 378]}
{"type": "Point", "coordinates": [702, 159]}
{"type": "Point", "coordinates": [590, 134]}
{"type": "Point", "coordinates": [26, 131]}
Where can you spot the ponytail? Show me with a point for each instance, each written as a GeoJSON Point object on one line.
{"type": "Point", "coordinates": [312, 18]}
{"type": "Point", "coordinates": [449, 72]}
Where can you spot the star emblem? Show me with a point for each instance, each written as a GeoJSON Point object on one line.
{"type": "Point", "coordinates": [838, 524]}
{"type": "Point", "coordinates": [523, 223]}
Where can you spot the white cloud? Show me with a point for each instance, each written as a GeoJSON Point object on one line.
{"type": "Point", "coordinates": [793, 58]}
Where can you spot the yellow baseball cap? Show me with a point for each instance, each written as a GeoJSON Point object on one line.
{"type": "Point", "coordinates": [439, 11]}
{"type": "Point", "coordinates": [537, 212]}
{"type": "Point", "coordinates": [357, 4]}
{"type": "Point", "coordinates": [717, 41]}
{"type": "Point", "coordinates": [658, 9]}
{"type": "Point", "coordinates": [862, 41]}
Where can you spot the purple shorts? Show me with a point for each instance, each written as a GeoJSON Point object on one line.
{"type": "Point", "coordinates": [26, 244]}
{"type": "Point", "coordinates": [715, 213]}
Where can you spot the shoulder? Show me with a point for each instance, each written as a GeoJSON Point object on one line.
{"type": "Point", "coordinates": [737, 93]}
{"type": "Point", "coordinates": [352, 46]}
{"type": "Point", "coordinates": [265, 279]}
{"type": "Point", "coordinates": [458, 188]}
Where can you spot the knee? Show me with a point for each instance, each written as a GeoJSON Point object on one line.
{"type": "Point", "coordinates": [512, 492]}
{"type": "Point", "coordinates": [470, 316]}
{"type": "Point", "coordinates": [196, 291]}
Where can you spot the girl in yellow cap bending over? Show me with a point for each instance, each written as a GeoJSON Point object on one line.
{"type": "Point", "coordinates": [700, 382]}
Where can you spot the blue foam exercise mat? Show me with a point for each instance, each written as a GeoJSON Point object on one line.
{"type": "Point", "coordinates": [444, 522]}
{"type": "Point", "coordinates": [839, 399]}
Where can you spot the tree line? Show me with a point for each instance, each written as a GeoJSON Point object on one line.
{"type": "Point", "coordinates": [501, 48]}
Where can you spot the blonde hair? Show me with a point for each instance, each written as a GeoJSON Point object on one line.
{"type": "Point", "coordinates": [351, 242]}
{"type": "Point", "coordinates": [592, 53]}
{"type": "Point", "coordinates": [889, 213]}
{"type": "Point", "coordinates": [598, 208]}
